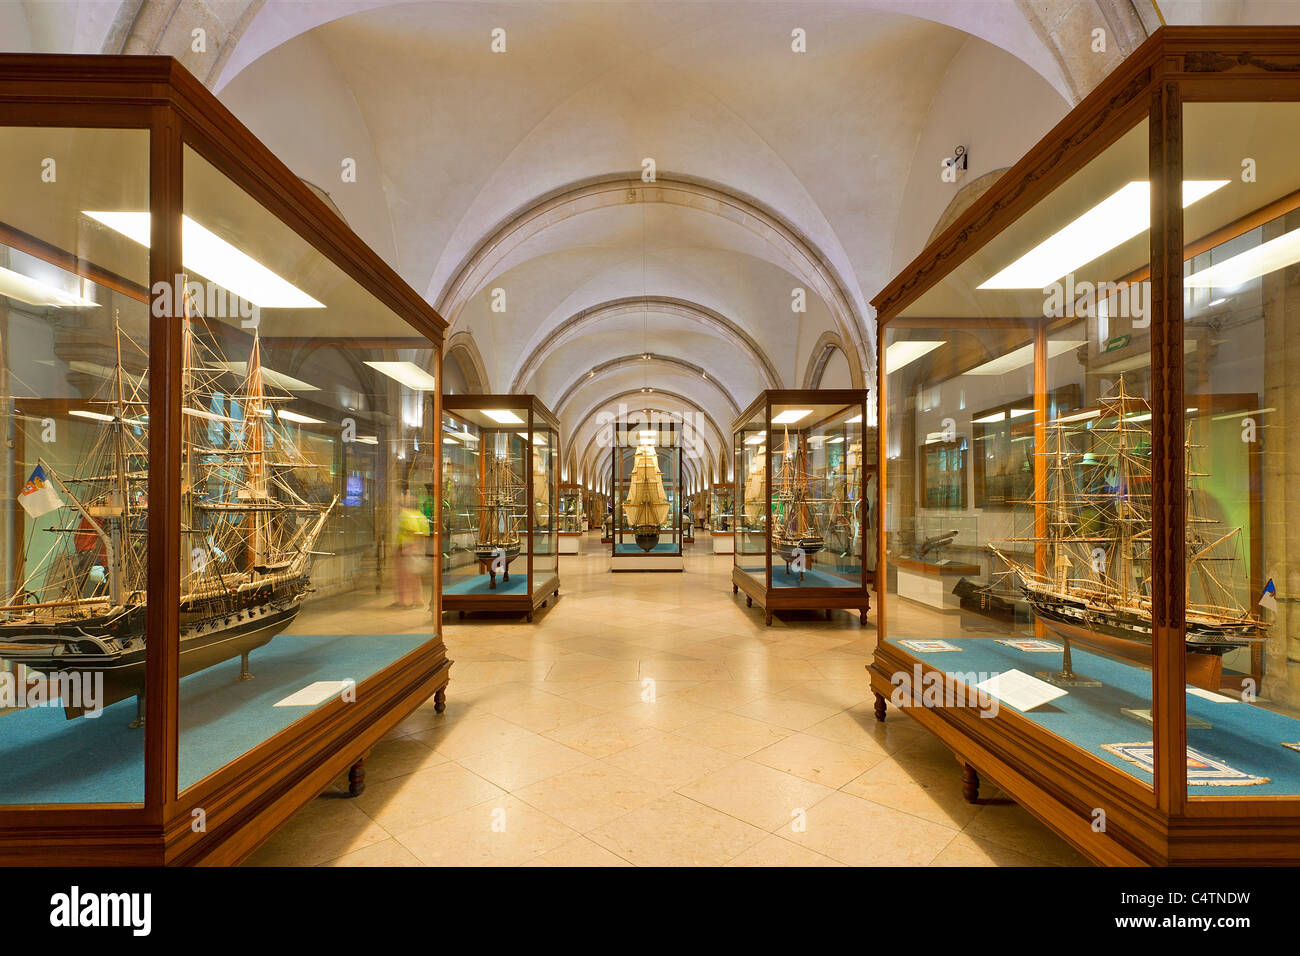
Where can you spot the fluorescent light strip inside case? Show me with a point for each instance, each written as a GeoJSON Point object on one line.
{"type": "Point", "coordinates": [1113, 221]}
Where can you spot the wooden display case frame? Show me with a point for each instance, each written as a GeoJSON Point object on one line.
{"type": "Point", "coordinates": [535, 414]}
{"type": "Point", "coordinates": [769, 598]}
{"type": "Point", "coordinates": [1061, 785]}
{"type": "Point", "coordinates": [247, 799]}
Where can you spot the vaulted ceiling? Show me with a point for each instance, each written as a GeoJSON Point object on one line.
{"type": "Point", "coordinates": [638, 196]}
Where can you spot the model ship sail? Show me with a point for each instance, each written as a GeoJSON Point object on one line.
{"type": "Point", "coordinates": [755, 492]}
{"type": "Point", "coordinates": [1092, 582]}
{"type": "Point", "coordinates": [794, 534]}
{"type": "Point", "coordinates": [646, 506]}
{"type": "Point", "coordinates": [498, 541]}
{"type": "Point", "coordinates": [250, 517]}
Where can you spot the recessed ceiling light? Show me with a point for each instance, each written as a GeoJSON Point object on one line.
{"type": "Point", "coordinates": [15, 285]}
{"type": "Point", "coordinates": [1113, 221]}
{"type": "Point", "coordinates": [213, 258]}
{"type": "Point", "coordinates": [502, 416]}
{"type": "Point", "coordinates": [990, 419]}
{"type": "Point", "coordinates": [408, 373]}
{"type": "Point", "coordinates": [899, 354]}
{"type": "Point", "coordinates": [790, 416]}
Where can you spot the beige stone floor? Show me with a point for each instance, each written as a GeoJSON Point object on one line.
{"type": "Point", "coordinates": [651, 719]}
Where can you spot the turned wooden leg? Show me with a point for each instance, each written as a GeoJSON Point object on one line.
{"type": "Point", "coordinates": [862, 618]}
{"type": "Point", "coordinates": [970, 783]}
{"type": "Point", "coordinates": [880, 707]}
{"type": "Point", "coordinates": [828, 614]}
{"type": "Point", "coordinates": [357, 778]}
{"type": "Point", "coordinates": [529, 617]}
{"type": "Point", "coordinates": [735, 588]}
{"type": "Point", "coordinates": [460, 613]}
{"type": "Point", "coordinates": [440, 699]}
{"type": "Point", "coordinates": [749, 601]}
{"type": "Point", "coordinates": [768, 622]}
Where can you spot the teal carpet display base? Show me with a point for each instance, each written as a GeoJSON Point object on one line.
{"type": "Point", "coordinates": [49, 759]}
{"type": "Point", "coordinates": [480, 584]}
{"type": "Point", "coordinates": [1245, 737]}
{"type": "Point", "coordinates": [812, 578]}
{"type": "Point", "coordinates": [661, 548]}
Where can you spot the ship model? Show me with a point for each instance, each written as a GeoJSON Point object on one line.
{"type": "Point", "coordinates": [498, 541]}
{"type": "Point", "coordinates": [794, 533]}
{"type": "Point", "coordinates": [250, 517]}
{"type": "Point", "coordinates": [1092, 583]}
{"type": "Point", "coordinates": [646, 505]}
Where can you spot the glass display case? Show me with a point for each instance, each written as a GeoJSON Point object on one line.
{"type": "Point", "coordinates": [646, 481]}
{"type": "Point", "coordinates": [219, 570]}
{"type": "Point", "coordinates": [804, 502]}
{"type": "Point", "coordinates": [572, 517]}
{"type": "Point", "coordinates": [1103, 335]}
{"type": "Point", "coordinates": [722, 519]}
{"type": "Point", "coordinates": [501, 464]}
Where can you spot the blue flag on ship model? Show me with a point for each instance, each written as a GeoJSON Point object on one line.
{"type": "Point", "coordinates": [1269, 598]}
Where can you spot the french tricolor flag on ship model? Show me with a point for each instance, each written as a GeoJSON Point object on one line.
{"type": "Point", "coordinates": [38, 496]}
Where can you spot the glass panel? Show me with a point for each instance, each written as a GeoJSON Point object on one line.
{"type": "Point", "coordinates": [1018, 514]}
{"type": "Point", "coordinates": [74, 393]}
{"type": "Point", "coordinates": [647, 492]}
{"type": "Point", "coordinates": [1240, 297]}
{"type": "Point", "coordinates": [722, 514]}
{"type": "Point", "coordinates": [545, 464]}
{"type": "Point", "coordinates": [571, 514]}
{"type": "Point", "coordinates": [751, 498]}
{"type": "Point", "coordinates": [817, 515]}
{"type": "Point", "coordinates": [307, 475]}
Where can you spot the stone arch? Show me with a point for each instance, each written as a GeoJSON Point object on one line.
{"type": "Point", "coordinates": [462, 349]}
{"type": "Point", "coordinates": [826, 346]}
{"type": "Point", "coordinates": [691, 311]}
{"type": "Point", "coordinates": [803, 260]}
{"type": "Point", "coordinates": [636, 361]}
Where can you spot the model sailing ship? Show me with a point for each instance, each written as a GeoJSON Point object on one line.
{"type": "Point", "coordinates": [646, 506]}
{"type": "Point", "coordinates": [1093, 582]}
{"type": "Point", "coordinates": [498, 542]}
{"type": "Point", "coordinates": [794, 532]}
{"type": "Point", "coordinates": [248, 527]}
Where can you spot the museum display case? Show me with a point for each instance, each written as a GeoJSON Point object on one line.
{"type": "Point", "coordinates": [572, 517]}
{"type": "Point", "coordinates": [804, 501]}
{"type": "Point", "coordinates": [722, 519]}
{"type": "Point", "coordinates": [1085, 396]}
{"type": "Point", "coordinates": [501, 465]}
{"type": "Point", "coordinates": [218, 561]}
{"type": "Point", "coordinates": [646, 482]}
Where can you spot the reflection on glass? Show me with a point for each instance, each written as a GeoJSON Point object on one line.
{"type": "Point", "coordinates": [1239, 304]}
{"type": "Point", "coordinates": [307, 478]}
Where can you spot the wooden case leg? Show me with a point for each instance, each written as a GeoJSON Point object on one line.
{"type": "Point", "coordinates": [357, 778]}
{"type": "Point", "coordinates": [440, 699]}
{"type": "Point", "coordinates": [970, 783]}
{"type": "Point", "coordinates": [880, 707]}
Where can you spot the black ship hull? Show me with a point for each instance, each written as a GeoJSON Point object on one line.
{"type": "Point", "coordinates": [1127, 635]}
{"type": "Point", "coordinates": [113, 647]}
{"type": "Point", "coordinates": [646, 536]}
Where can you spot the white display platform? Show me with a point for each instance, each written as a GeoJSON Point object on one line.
{"type": "Point", "coordinates": [724, 543]}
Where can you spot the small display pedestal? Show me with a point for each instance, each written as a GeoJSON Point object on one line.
{"type": "Point", "coordinates": [931, 584]}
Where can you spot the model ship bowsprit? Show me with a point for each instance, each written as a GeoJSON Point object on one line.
{"type": "Point", "coordinates": [1092, 583]}
{"type": "Point", "coordinates": [249, 520]}
{"type": "Point", "coordinates": [794, 533]}
{"type": "Point", "coordinates": [498, 541]}
{"type": "Point", "coordinates": [646, 506]}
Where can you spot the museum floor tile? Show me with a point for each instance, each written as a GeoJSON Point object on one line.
{"type": "Point", "coordinates": [651, 719]}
